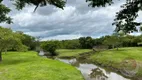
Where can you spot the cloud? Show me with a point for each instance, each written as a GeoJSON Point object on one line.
{"type": "Point", "coordinates": [62, 37]}
{"type": "Point", "coordinates": [77, 19]}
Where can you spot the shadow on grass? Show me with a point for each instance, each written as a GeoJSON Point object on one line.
{"type": "Point", "coordinates": [117, 50]}
{"type": "Point", "coordinates": [13, 62]}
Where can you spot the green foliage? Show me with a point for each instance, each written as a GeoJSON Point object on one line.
{"type": "Point", "coordinates": [98, 3]}
{"type": "Point", "coordinates": [125, 18]}
{"type": "Point", "coordinates": [111, 41]}
{"type": "Point", "coordinates": [86, 42]}
{"type": "Point", "coordinates": [22, 48]}
{"type": "Point", "coordinates": [22, 3]}
{"type": "Point", "coordinates": [9, 40]}
{"type": "Point", "coordinates": [27, 40]}
{"type": "Point", "coordinates": [29, 66]}
{"type": "Point", "coordinates": [49, 47]}
{"type": "Point", "coordinates": [131, 41]}
{"type": "Point", "coordinates": [119, 40]}
{"type": "Point", "coordinates": [141, 28]}
{"type": "Point", "coordinates": [70, 44]}
{"type": "Point", "coordinates": [3, 13]}
{"type": "Point", "coordinates": [65, 44]}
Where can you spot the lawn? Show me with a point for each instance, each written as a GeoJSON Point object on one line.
{"type": "Point", "coordinates": [29, 66]}
{"type": "Point", "coordinates": [115, 57]}
{"type": "Point", "coordinates": [69, 53]}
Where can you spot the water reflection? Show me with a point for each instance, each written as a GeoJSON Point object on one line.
{"type": "Point", "coordinates": [93, 72]}
{"type": "Point", "coordinates": [97, 74]}
{"type": "Point", "coordinates": [41, 53]}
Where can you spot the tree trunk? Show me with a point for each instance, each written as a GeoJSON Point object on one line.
{"type": "Point", "coordinates": [117, 48]}
{"type": "Point", "coordinates": [0, 56]}
{"type": "Point", "coordinates": [5, 51]}
{"type": "Point", "coordinates": [112, 46]}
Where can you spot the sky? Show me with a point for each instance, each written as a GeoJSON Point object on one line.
{"type": "Point", "coordinates": [76, 20]}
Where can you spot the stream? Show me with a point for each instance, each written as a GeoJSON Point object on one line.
{"type": "Point", "coordinates": [93, 72]}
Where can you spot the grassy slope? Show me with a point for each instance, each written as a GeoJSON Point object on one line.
{"type": "Point", "coordinates": [71, 52]}
{"type": "Point", "coordinates": [29, 66]}
{"type": "Point", "coordinates": [114, 58]}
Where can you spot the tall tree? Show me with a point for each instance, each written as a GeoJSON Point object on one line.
{"type": "Point", "coordinates": [125, 18]}
{"type": "Point", "coordinates": [8, 40]}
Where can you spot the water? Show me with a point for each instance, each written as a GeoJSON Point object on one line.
{"type": "Point", "coordinates": [93, 72]}
{"type": "Point", "coordinates": [41, 53]}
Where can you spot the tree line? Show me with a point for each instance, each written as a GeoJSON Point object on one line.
{"type": "Point", "coordinates": [18, 41]}
{"type": "Point", "coordinates": [107, 42]}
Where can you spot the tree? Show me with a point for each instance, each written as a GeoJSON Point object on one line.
{"type": "Point", "coordinates": [3, 13]}
{"type": "Point", "coordinates": [27, 40]}
{"type": "Point", "coordinates": [125, 18]}
{"type": "Point", "coordinates": [112, 41]}
{"type": "Point", "coordinates": [86, 42]}
{"type": "Point", "coordinates": [21, 3]}
{"type": "Point", "coordinates": [82, 41]}
{"type": "Point", "coordinates": [49, 47]}
{"type": "Point", "coordinates": [8, 40]}
{"type": "Point", "coordinates": [71, 44]}
{"type": "Point", "coordinates": [99, 3]}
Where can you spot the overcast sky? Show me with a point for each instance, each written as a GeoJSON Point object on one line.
{"type": "Point", "coordinates": [76, 20]}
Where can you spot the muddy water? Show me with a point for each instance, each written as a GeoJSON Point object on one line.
{"type": "Point", "coordinates": [93, 72]}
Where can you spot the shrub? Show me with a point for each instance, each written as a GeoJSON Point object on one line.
{"type": "Point", "coordinates": [50, 47]}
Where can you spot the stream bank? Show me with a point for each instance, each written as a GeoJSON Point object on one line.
{"type": "Point", "coordinates": [92, 70]}
{"type": "Point", "coordinates": [118, 68]}
{"type": "Point", "coordinates": [122, 68]}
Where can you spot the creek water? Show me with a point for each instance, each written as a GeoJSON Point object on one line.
{"type": "Point", "coordinates": [92, 71]}
{"type": "Point", "coordinates": [41, 53]}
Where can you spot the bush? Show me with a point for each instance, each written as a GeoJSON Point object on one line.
{"type": "Point", "coordinates": [50, 47]}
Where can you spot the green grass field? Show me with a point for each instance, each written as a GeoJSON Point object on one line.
{"type": "Point", "coordinates": [29, 66]}
{"type": "Point", "coordinates": [69, 53]}
{"type": "Point", "coordinates": [115, 58]}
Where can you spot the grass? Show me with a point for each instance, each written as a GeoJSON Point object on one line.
{"type": "Point", "coordinates": [69, 53]}
{"type": "Point", "coordinates": [115, 58]}
{"type": "Point", "coordinates": [29, 66]}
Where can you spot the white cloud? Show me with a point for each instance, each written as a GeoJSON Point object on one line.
{"type": "Point", "coordinates": [62, 37]}
{"type": "Point", "coordinates": [77, 19]}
